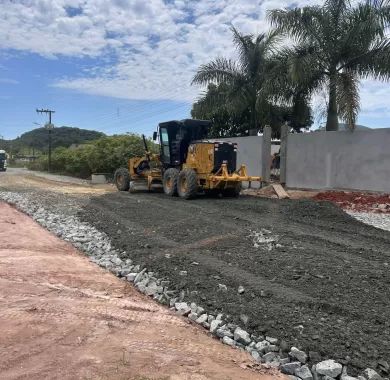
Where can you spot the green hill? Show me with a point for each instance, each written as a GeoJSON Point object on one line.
{"type": "Point", "coordinates": [38, 139]}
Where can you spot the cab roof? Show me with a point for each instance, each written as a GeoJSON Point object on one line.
{"type": "Point", "coordinates": [187, 129]}
{"type": "Point", "coordinates": [186, 123]}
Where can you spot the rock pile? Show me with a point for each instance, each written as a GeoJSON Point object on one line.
{"type": "Point", "coordinates": [264, 349]}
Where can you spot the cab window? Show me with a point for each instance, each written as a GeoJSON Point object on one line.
{"type": "Point", "coordinates": [165, 143]}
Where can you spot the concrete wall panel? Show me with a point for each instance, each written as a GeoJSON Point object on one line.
{"type": "Point", "coordinates": [339, 160]}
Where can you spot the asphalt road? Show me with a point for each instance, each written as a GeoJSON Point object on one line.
{"type": "Point", "coordinates": [313, 276]}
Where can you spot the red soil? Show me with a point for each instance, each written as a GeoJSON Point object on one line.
{"type": "Point", "coordinates": [357, 201]}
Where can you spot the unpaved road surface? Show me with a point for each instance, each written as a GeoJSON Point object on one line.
{"type": "Point", "coordinates": [313, 275]}
{"type": "Point", "coordinates": [63, 317]}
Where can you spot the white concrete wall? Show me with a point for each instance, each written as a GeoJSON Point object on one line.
{"type": "Point", "coordinates": [250, 150]}
{"type": "Point", "coordinates": [339, 160]}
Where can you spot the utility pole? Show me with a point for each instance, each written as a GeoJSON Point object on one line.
{"type": "Point", "coordinates": [49, 126]}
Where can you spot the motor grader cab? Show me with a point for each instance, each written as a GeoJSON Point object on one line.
{"type": "Point", "coordinates": [188, 163]}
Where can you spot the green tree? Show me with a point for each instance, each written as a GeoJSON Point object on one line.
{"type": "Point", "coordinates": [337, 45]}
{"type": "Point", "coordinates": [225, 120]}
{"type": "Point", "coordinates": [247, 94]}
{"type": "Point", "coordinates": [244, 80]}
{"type": "Point", "coordinates": [104, 155]}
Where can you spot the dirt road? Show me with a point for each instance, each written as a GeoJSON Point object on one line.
{"type": "Point", "coordinates": [312, 275]}
{"type": "Point", "coordinates": [63, 317]}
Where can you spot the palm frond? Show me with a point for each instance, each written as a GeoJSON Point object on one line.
{"type": "Point", "coordinates": [243, 44]}
{"type": "Point", "coordinates": [301, 24]}
{"type": "Point", "coordinates": [269, 42]}
{"type": "Point", "coordinates": [212, 99]}
{"type": "Point", "coordinates": [363, 26]}
{"type": "Point", "coordinates": [348, 99]}
{"type": "Point", "coordinates": [220, 70]}
{"type": "Point", "coordinates": [373, 63]}
{"type": "Point", "coordinates": [336, 9]}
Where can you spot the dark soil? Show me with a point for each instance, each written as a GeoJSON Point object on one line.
{"type": "Point", "coordinates": [323, 285]}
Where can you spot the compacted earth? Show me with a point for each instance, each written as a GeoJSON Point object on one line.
{"type": "Point", "coordinates": [308, 273]}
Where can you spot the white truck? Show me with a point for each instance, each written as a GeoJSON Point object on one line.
{"type": "Point", "coordinates": [3, 161]}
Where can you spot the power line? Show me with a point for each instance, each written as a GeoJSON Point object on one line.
{"type": "Point", "coordinates": [160, 97]}
{"type": "Point", "coordinates": [145, 115]}
{"type": "Point", "coordinates": [137, 122]}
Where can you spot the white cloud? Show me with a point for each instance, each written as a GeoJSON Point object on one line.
{"type": "Point", "coordinates": [8, 81]}
{"type": "Point", "coordinates": [375, 98]}
{"type": "Point", "coordinates": [156, 45]}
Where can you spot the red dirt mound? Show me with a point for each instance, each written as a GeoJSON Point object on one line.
{"type": "Point", "coordinates": [357, 201]}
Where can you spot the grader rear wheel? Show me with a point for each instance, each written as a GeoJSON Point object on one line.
{"type": "Point", "coordinates": [122, 179]}
{"type": "Point", "coordinates": [170, 181]}
{"type": "Point", "coordinates": [187, 184]}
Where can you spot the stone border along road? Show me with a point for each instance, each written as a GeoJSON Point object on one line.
{"type": "Point", "coordinates": [99, 249]}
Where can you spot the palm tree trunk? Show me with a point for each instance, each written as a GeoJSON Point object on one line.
{"type": "Point", "coordinates": [253, 129]}
{"type": "Point", "coordinates": [332, 121]}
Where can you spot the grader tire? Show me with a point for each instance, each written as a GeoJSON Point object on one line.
{"type": "Point", "coordinates": [187, 184]}
{"type": "Point", "coordinates": [122, 179]}
{"type": "Point", "coordinates": [170, 181]}
{"type": "Point", "coordinates": [232, 192]}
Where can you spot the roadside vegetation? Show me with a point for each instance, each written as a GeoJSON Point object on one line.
{"type": "Point", "coordinates": [104, 155]}
{"type": "Point", "coordinates": [328, 48]}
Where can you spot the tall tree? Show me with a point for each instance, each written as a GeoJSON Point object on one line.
{"type": "Point", "coordinates": [337, 45]}
{"type": "Point", "coordinates": [243, 81]}
{"type": "Point", "coordinates": [226, 121]}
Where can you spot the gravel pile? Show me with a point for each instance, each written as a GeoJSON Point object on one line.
{"type": "Point", "coordinates": [265, 349]}
{"type": "Point", "coordinates": [381, 221]}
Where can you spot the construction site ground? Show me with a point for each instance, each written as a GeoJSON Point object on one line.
{"type": "Point", "coordinates": [63, 317]}
{"type": "Point", "coordinates": [312, 275]}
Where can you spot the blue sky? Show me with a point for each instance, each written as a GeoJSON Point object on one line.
{"type": "Point", "coordinates": [124, 65]}
{"type": "Point", "coordinates": [27, 81]}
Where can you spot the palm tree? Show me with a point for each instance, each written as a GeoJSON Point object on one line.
{"type": "Point", "coordinates": [337, 45]}
{"type": "Point", "coordinates": [243, 81]}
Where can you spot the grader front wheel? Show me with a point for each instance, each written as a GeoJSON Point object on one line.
{"type": "Point", "coordinates": [122, 179]}
{"type": "Point", "coordinates": [187, 184]}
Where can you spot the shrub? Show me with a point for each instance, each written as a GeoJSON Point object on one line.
{"type": "Point", "coordinates": [104, 155]}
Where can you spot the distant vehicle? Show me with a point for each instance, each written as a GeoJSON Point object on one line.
{"type": "Point", "coordinates": [3, 161]}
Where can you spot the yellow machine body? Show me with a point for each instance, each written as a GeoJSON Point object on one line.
{"type": "Point", "coordinates": [201, 159]}
{"type": "Point", "coordinates": [187, 163]}
{"type": "Point", "coordinates": [151, 175]}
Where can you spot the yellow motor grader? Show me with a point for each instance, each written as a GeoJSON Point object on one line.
{"type": "Point", "coordinates": [187, 164]}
